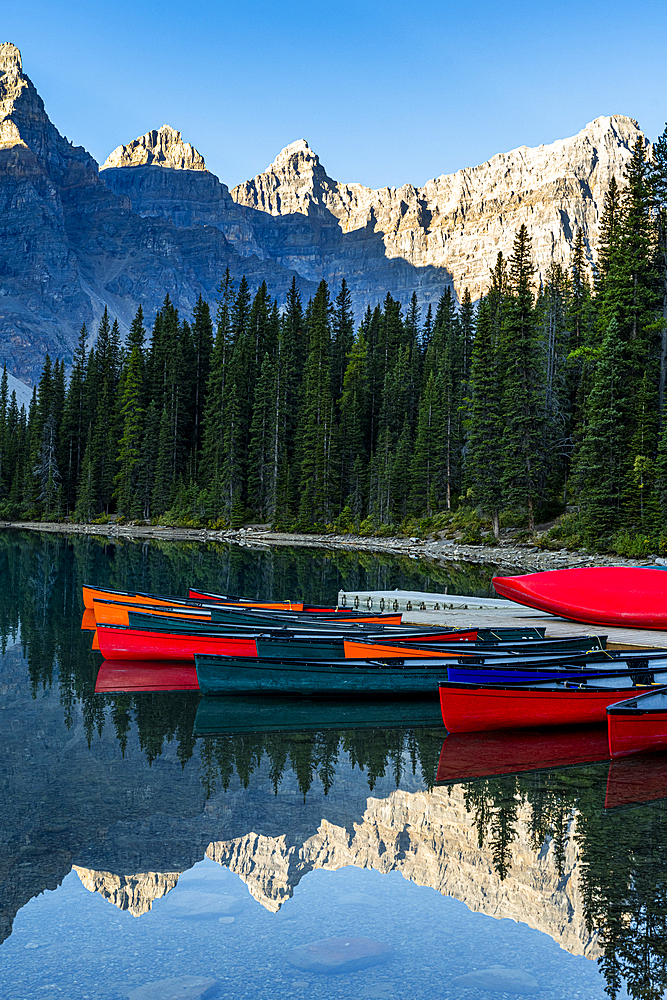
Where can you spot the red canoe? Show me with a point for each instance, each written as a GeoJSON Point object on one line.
{"type": "Point", "coordinates": [118, 643]}
{"type": "Point", "coordinates": [635, 596]}
{"type": "Point", "coordinates": [466, 756]}
{"type": "Point", "coordinates": [638, 724]}
{"type": "Point", "coordinates": [633, 780]}
{"type": "Point", "coordinates": [127, 676]}
{"type": "Point", "coordinates": [468, 708]}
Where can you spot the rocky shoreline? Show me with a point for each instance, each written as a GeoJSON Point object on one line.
{"type": "Point", "coordinates": [506, 555]}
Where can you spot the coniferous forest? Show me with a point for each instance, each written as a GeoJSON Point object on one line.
{"type": "Point", "coordinates": [501, 412]}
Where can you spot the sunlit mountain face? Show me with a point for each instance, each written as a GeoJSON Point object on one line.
{"type": "Point", "coordinates": [142, 858]}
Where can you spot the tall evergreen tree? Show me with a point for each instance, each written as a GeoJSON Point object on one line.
{"type": "Point", "coordinates": [523, 385]}
{"type": "Point", "coordinates": [485, 449]}
{"type": "Point", "coordinates": [318, 463]}
{"type": "Point", "coordinates": [129, 452]}
{"type": "Point", "coordinates": [601, 463]}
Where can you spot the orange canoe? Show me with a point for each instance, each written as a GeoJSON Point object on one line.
{"type": "Point", "coordinates": [116, 612]}
{"type": "Point", "coordinates": [91, 594]}
{"type": "Point", "coordinates": [356, 650]}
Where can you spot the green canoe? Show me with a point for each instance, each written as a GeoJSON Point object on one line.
{"type": "Point", "coordinates": [250, 675]}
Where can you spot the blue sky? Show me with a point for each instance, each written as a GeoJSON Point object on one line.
{"type": "Point", "coordinates": [386, 93]}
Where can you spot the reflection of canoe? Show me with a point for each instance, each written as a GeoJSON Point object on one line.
{"type": "Point", "coordinates": [88, 623]}
{"type": "Point", "coordinates": [220, 716]}
{"type": "Point", "coordinates": [638, 724]}
{"type": "Point", "coordinates": [633, 780]}
{"type": "Point", "coordinates": [468, 708]}
{"type": "Point", "coordinates": [634, 596]}
{"type": "Point", "coordinates": [466, 756]}
{"type": "Point", "coordinates": [139, 676]}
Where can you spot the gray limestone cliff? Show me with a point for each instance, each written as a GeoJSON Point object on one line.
{"type": "Point", "coordinates": [397, 240]}
{"type": "Point", "coordinates": [459, 222]}
{"type": "Point", "coordinates": [69, 246]}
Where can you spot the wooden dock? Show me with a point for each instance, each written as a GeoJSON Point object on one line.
{"type": "Point", "coordinates": [460, 611]}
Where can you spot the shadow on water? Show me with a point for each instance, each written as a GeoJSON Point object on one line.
{"type": "Point", "coordinates": [618, 855]}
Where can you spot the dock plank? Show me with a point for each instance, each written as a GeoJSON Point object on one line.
{"type": "Point", "coordinates": [492, 613]}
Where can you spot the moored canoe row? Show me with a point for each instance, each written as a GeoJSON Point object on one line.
{"type": "Point", "coordinates": [487, 680]}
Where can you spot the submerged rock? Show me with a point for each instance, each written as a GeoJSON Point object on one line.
{"type": "Point", "coordinates": [179, 988]}
{"type": "Point", "coordinates": [497, 979]}
{"type": "Point", "coordinates": [340, 954]}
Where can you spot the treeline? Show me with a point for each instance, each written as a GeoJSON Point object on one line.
{"type": "Point", "coordinates": [533, 398]}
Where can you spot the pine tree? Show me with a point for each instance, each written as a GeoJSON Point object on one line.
{"type": "Point", "coordinates": [86, 499]}
{"type": "Point", "coordinates": [523, 385]}
{"type": "Point", "coordinates": [317, 419]}
{"type": "Point", "coordinates": [213, 420]}
{"type": "Point", "coordinates": [354, 419]}
{"type": "Point", "coordinates": [485, 449]}
{"type": "Point", "coordinates": [608, 237]}
{"type": "Point", "coordinates": [4, 445]}
{"type": "Point", "coordinates": [425, 466]}
{"type": "Point", "coordinates": [129, 452]}
{"type": "Point", "coordinates": [262, 483]}
{"type": "Point", "coordinates": [658, 178]}
{"type": "Point", "coordinates": [641, 506]}
{"type": "Point", "coordinates": [342, 326]}
{"type": "Point", "coordinates": [553, 318]}
{"type": "Point", "coordinates": [601, 463]}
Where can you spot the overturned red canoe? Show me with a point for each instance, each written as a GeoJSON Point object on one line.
{"type": "Point", "coordinates": [634, 596]}
{"type": "Point", "coordinates": [118, 643]}
{"type": "Point", "coordinates": [466, 756]}
{"type": "Point", "coordinates": [638, 724]}
{"type": "Point", "coordinates": [468, 708]}
{"type": "Point", "coordinates": [128, 676]}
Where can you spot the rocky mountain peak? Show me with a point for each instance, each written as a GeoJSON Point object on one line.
{"type": "Point", "coordinates": [10, 60]}
{"type": "Point", "coordinates": [25, 123]}
{"type": "Point", "coordinates": [296, 181]}
{"type": "Point", "coordinates": [161, 147]}
{"type": "Point", "coordinates": [299, 150]}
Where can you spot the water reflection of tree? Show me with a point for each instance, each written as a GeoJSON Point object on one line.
{"type": "Point", "coordinates": [622, 857]}
{"type": "Point", "coordinates": [624, 878]}
{"type": "Point", "coordinates": [312, 756]}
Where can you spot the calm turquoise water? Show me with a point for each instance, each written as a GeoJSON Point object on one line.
{"type": "Point", "coordinates": [140, 861]}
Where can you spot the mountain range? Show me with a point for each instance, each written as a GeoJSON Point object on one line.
{"type": "Point", "coordinates": [76, 238]}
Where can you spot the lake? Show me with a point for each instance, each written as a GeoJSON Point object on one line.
{"type": "Point", "coordinates": [141, 861]}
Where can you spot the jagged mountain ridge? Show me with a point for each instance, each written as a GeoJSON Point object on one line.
{"type": "Point", "coordinates": [401, 239]}
{"type": "Point", "coordinates": [69, 246]}
{"type": "Point", "coordinates": [75, 239]}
